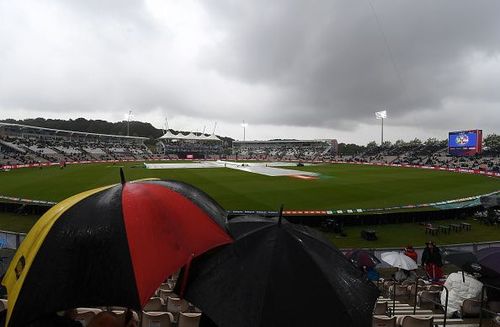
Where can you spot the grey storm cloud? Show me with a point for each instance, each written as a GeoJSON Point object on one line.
{"type": "Point", "coordinates": [334, 61]}
{"type": "Point", "coordinates": [283, 63]}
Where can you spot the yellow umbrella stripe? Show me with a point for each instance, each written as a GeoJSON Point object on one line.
{"type": "Point", "coordinates": [25, 254]}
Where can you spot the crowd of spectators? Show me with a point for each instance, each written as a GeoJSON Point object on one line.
{"type": "Point", "coordinates": [307, 151]}
{"type": "Point", "coordinates": [416, 153]}
{"type": "Point", "coordinates": [204, 148]}
{"type": "Point", "coordinates": [32, 150]}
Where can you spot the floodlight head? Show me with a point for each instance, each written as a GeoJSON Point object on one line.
{"type": "Point", "coordinates": [128, 115]}
{"type": "Point", "coordinates": [381, 114]}
{"type": "Point", "coordinates": [244, 124]}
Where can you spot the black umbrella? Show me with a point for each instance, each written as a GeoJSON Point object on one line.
{"type": "Point", "coordinates": [465, 260]}
{"type": "Point", "coordinates": [279, 274]}
{"type": "Point", "coordinates": [362, 258]}
{"type": "Point", "coordinates": [489, 259]}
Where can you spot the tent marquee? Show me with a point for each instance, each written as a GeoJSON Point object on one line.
{"type": "Point", "coordinates": [169, 135]}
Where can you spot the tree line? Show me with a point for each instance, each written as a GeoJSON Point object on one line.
{"type": "Point", "coordinates": [137, 128]}
{"type": "Point", "coordinates": [491, 144]}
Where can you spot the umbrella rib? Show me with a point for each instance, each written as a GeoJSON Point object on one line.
{"type": "Point", "coordinates": [267, 281]}
{"type": "Point", "coordinates": [314, 264]}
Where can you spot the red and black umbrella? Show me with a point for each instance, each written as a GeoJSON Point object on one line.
{"type": "Point", "coordinates": [110, 246]}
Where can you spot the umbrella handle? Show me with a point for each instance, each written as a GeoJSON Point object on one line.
{"type": "Point", "coordinates": [185, 276]}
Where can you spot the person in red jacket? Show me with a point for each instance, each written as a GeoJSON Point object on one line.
{"type": "Point", "coordinates": [410, 252]}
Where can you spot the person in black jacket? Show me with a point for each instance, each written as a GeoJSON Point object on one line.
{"type": "Point", "coordinates": [432, 261]}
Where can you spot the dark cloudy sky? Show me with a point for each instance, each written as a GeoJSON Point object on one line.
{"type": "Point", "coordinates": [303, 69]}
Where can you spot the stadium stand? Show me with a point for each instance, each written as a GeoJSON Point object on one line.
{"type": "Point", "coordinates": [189, 145]}
{"type": "Point", "coordinates": [22, 144]}
{"type": "Point", "coordinates": [305, 150]}
{"type": "Point", "coordinates": [406, 304]}
{"type": "Point", "coordinates": [416, 153]}
{"type": "Point", "coordinates": [419, 304]}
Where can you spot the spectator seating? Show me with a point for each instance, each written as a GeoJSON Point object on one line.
{"type": "Point", "coordinates": [157, 319]}
{"type": "Point", "coordinates": [30, 150]}
{"type": "Point", "coordinates": [154, 304]}
{"type": "Point", "coordinates": [189, 319]}
{"type": "Point", "coordinates": [426, 312]}
{"type": "Point", "coordinates": [84, 317]}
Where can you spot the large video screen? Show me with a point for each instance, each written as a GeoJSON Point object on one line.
{"type": "Point", "coordinates": [465, 143]}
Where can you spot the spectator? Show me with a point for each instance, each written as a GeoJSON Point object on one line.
{"type": "Point", "coordinates": [432, 261]}
{"type": "Point", "coordinates": [410, 252]}
{"type": "Point", "coordinates": [402, 275]}
{"type": "Point", "coordinates": [371, 273]}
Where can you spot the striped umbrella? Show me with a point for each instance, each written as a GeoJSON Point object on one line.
{"type": "Point", "coordinates": [110, 246]}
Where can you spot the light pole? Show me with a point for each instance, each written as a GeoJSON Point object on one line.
{"type": "Point", "coordinates": [381, 115]}
{"type": "Point", "coordinates": [128, 122]}
{"type": "Point", "coordinates": [244, 125]}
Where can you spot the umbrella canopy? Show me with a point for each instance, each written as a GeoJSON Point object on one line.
{"type": "Point", "coordinates": [110, 246]}
{"type": "Point", "coordinates": [362, 258]}
{"type": "Point", "coordinates": [279, 274]}
{"type": "Point", "coordinates": [489, 259]}
{"type": "Point", "coordinates": [464, 260]}
{"type": "Point", "coordinates": [399, 260]}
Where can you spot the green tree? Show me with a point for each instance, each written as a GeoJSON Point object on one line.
{"type": "Point", "coordinates": [492, 142]}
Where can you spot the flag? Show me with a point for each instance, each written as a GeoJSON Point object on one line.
{"type": "Point", "coordinates": [381, 114]}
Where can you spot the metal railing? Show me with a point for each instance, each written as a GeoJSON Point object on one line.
{"type": "Point", "coordinates": [482, 308]}
{"type": "Point", "coordinates": [444, 307]}
{"type": "Point", "coordinates": [11, 240]}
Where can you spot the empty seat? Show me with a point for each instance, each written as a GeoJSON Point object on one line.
{"type": "Point", "coordinates": [383, 321]}
{"type": "Point", "coordinates": [471, 308]}
{"type": "Point", "coordinates": [83, 310]}
{"type": "Point", "coordinates": [494, 306]}
{"type": "Point", "coordinates": [84, 317]}
{"type": "Point", "coordinates": [122, 313]}
{"type": "Point", "coordinates": [164, 294]}
{"type": "Point", "coordinates": [154, 304]}
{"type": "Point", "coordinates": [435, 288]}
{"type": "Point", "coordinates": [428, 297]}
{"type": "Point", "coordinates": [415, 321]}
{"type": "Point", "coordinates": [412, 288]}
{"type": "Point", "coordinates": [166, 286]}
{"type": "Point", "coordinates": [380, 308]}
{"type": "Point", "coordinates": [189, 319]}
{"type": "Point", "coordinates": [401, 290]}
{"type": "Point", "coordinates": [176, 305]}
{"type": "Point", "coordinates": [157, 319]}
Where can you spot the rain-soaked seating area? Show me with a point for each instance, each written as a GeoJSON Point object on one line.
{"type": "Point", "coordinates": [164, 309]}
{"type": "Point", "coordinates": [400, 306]}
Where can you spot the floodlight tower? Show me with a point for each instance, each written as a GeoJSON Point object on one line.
{"type": "Point", "coordinates": [244, 125]}
{"type": "Point", "coordinates": [381, 115]}
{"type": "Point", "coordinates": [128, 122]}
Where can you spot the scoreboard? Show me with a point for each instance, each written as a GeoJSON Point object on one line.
{"type": "Point", "coordinates": [465, 143]}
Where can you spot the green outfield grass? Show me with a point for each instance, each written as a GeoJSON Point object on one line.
{"type": "Point", "coordinates": [16, 223]}
{"type": "Point", "coordinates": [390, 235]}
{"type": "Point", "coordinates": [340, 186]}
{"type": "Point", "coordinates": [400, 235]}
